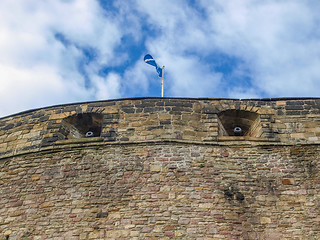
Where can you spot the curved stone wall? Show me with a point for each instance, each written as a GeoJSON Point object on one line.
{"type": "Point", "coordinates": [162, 169]}
{"type": "Point", "coordinates": [138, 120]}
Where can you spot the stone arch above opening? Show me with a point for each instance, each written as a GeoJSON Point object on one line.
{"type": "Point", "coordinates": [234, 122]}
{"type": "Point", "coordinates": [83, 125]}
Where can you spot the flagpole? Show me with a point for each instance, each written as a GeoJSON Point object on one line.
{"type": "Point", "coordinates": [162, 80]}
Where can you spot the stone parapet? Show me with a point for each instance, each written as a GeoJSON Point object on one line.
{"type": "Point", "coordinates": [288, 121]}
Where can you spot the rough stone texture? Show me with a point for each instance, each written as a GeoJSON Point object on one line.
{"type": "Point", "coordinates": [285, 120]}
{"type": "Point", "coordinates": [161, 170]}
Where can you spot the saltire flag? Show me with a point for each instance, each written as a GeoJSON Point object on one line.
{"type": "Point", "coordinates": [149, 59]}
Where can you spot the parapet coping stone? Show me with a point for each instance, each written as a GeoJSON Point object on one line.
{"type": "Point", "coordinates": [162, 98]}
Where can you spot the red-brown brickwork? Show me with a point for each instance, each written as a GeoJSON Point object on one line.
{"type": "Point", "coordinates": [162, 169]}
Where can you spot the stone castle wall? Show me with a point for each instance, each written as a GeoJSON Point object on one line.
{"type": "Point", "coordinates": [162, 169]}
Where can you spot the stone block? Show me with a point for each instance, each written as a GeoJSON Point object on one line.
{"type": "Point", "coordinates": [35, 177]}
{"type": "Point", "coordinates": [114, 215]}
{"type": "Point", "coordinates": [265, 220]}
{"type": "Point", "coordinates": [288, 181]}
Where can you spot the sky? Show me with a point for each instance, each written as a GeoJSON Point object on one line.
{"type": "Point", "coordinates": [64, 51]}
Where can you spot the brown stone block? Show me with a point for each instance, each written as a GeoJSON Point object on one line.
{"type": "Point", "coordinates": [46, 205]}
{"type": "Point", "coordinates": [298, 135]}
{"type": "Point", "coordinates": [202, 134]}
{"type": "Point", "coordinates": [111, 110]}
{"type": "Point", "coordinates": [146, 229]}
{"type": "Point", "coordinates": [155, 168]}
{"type": "Point", "coordinates": [281, 103]}
{"type": "Point", "coordinates": [266, 111]}
{"type": "Point", "coordinates": [3, 147]}
{"type": "Point", "coordinates": [16, 213]}
{"type": "Point", "coordinates": [184, 221]}
{"type": "Point", "coordinates": [169, 228]}
{"type": "Point", "coordinates": [190, 117]}
{"type": "Point", "coordinates": [150, 123]}
{"type": "Point", "coordinates": [288, 181]}
{"type": "Point", "coordinates": [189, 133]}
{"type": "Point", "coordinates": [59, 116]}
{"type": "Point", "coordinates": [265, 220]}
{"type": "Point", "coordinates": [35, 177]}
{"type": "Point", "coordinates": [114, 215]}
{"type": "Point", "coordinates": [301, 198]}
{"type": "Point", "coordinates": [17, 203]}
{"type": "Point", "coordinates": [77, 210]}
{"type": "Point", "coordinates": [179, 233]}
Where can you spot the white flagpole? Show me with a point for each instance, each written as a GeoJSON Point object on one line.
{"type": "Point", "coordinates": [162, 81]}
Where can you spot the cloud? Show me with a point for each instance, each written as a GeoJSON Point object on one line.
{"type": "Point", "coordinates": [191, 78]}
{"type": "Point", "coordinates": [38, 68]}
{"type": "Point", "coordinates": [275, 39]}
{"type": "Point", "coordinates": [179, 43]}
{"type": "Point", "coordinates": [107, 88]}
{"type": "Point", "coordinates": [275, 43]}
{"type": "Point", "coordinates": [61, 51]}
{"type": "Point", "coordinates": [138, 78]}
{"type": "Point", "coordinates": [40, 81]}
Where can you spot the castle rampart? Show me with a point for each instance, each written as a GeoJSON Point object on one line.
{"type": "Point", "coordinates": [162, 168]}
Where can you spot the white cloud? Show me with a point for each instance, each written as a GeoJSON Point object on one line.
{"type": "Point", "coordinates": [276, 41]}
{"type": "Point", "coordinates": [37, 69]}
{"type": "Point", "coordinates": [179, 44]}
{"type": "Point", "coordinates": [106, 88]}
{"type": "Point", "coordinates": [273, 47]}
{"type": "Point", "coordinates": [138, 78]}
{"type": "Point", "coordinates": [40, 81]}
{"type": "Point", "coordinates": [190, 77]}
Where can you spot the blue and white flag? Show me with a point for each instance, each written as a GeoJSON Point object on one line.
{"type": "Point", "coordinates": [149, 59]}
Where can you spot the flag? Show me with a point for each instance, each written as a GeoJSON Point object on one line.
{"type": "Point", "coordinates": [149, 59]}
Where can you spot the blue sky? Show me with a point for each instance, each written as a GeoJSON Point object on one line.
{"type": "Point", "coordinates": [63, 51]}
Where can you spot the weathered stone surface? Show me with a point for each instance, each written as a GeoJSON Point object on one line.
{"type": "Point", "coordinates": [162, 119]}
{"type": "Point", "coordinates": [160, 174]}
{"type": "Point", "coordinates": [111, 196]}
